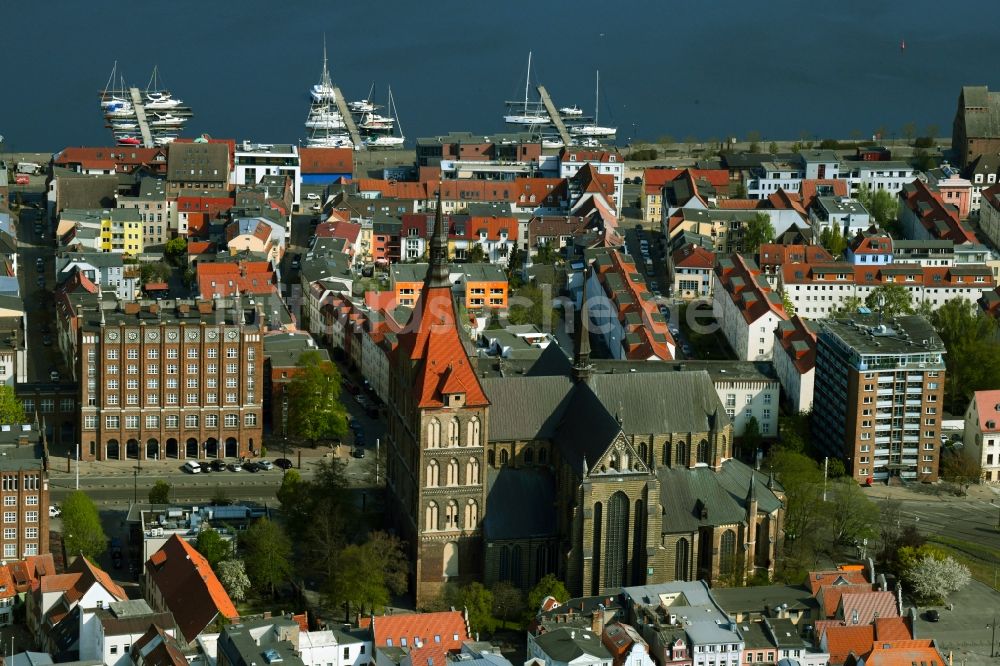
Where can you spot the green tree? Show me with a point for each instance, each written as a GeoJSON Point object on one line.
{"type": "Point", "coordinates": [527, 306]}
{"type": "Point", "coordinates": [961, 467]}
{"type": "Point", "coordinates": [883, 207]}
{"type": "Point", "coordinates": [773, 148]}
{"type": "Point", "coordinates": [833, 240]}
{"type": "Point", "coordinates": [931, 131]}
{"type": "Point", "coordinates": [81, 524]}
{"type": "Point", "coordinates": [546, 254]}
{"type": "Point", "coordinates": [475, 254]}
{"type": "Point", "coordinates": [849, 306]}
{"type": "Point", "coordinates": [160, 493]}
{"type": "Point", "coordinates": [11, 409]}
{"type": "Point", "coordinates": [319, 514]}
{"type": "Point", "coordinates": [923, 160]}
{"type": "Point", "coordinates": [759, 230]}
{"type": "Point", "coordinates": [835, 468]}
{"type": "Point", "coordinates": [156, 271]}
{"type": "Point", "coordinates": [233, 576]}
{"type": "Point", "coordinates": [267, 553]}
{"type": "Point", "coordinates": [314, 410]}
{"type": "Point", "coordinates": [933, 577]}
{"type": "Point", "coordinates": [479, 602]}
{"type": "Point", "coordinates": [548, 586]}
{"type": "Point", "coordinates": [751, 439]}
{"type": "Point", "coordinates": [175, 249]}
{"type": "Point", "coordinates": [973, 358]}
{"type": "Point", "coordinates": [211, 544]}
{"type": "Point", "coordinates": [850, 514]}
{"type": "Point", "coordinates": [367, 575]}
{"type": "Point", "coordinates": [892, 299]}
{"type": "Point", "coordinates": [508, 601]}
{"type": "Point", "coordinates": [787, 303]}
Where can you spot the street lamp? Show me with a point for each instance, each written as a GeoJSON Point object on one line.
{"type": "Point", "coordinates": [993, 636]}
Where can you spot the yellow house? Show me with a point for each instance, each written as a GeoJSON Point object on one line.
{"type": "Point", "coordinates": [121, 231]}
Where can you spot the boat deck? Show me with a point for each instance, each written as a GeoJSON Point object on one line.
{"type": "Point", "coordinates": [140, 114]}
{"type": "Point", "coordinates": [554, 116]}
{"type": "Point", "coordinates": [352, 127]}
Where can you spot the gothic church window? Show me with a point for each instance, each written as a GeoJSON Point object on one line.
{"type": "Point", "coordinates": [431, 517]}
{"type": "Point", "coordinates": [433, 474]}
{"type": "Point", "coordinates": [727, 553]}
{"type": "Point", "coordinates": [452, 473]}
{"type": "Point", "coordinates": [473, 432]}
{"type": "Point", "coordinates": [433, 434]}
{"type": "Point", "coordinates": [472, 472]}
{"type": "Point", "coordinates": [453, 427]}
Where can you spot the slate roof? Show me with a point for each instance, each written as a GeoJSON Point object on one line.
{"type": "Point", "coordinates": [87, 191]}
{"type": "Point", "coordinates": [981, 110]}
{"type": "Point", "coordinates": [741, 600]}
{"type": "Point", "coordinates": [723, 492]}
{"type": "Point", "coordinates": [526, 407]}
{"type": "Point", "coordinates": [565, 644]}
{"type": "Point", "coordinates": [525, 499]}
{"type": "Point", "coordinates": [208, 161]}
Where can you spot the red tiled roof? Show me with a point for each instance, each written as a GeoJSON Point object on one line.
{"type": "Point", "coordinates": [213, 206]}
{"type": "Point", "coordinates": [436, 349]}
{"type": "Point", "coordinates": [429, 636]}
{"type": "Point", "coordinates": [809, 186]}
{"type": "Point", "coordinates": [31, 569]}
{"type": "Point", "coordinates": [224, 278]}
{"type": "Point", "coordinates": [200, 247]}
{"type": "Point", "coordinates": [871, 243]}
{"type": "Point", "coordinates": [939, 219]}
{"type": "Point", "coordinates": [493, 226]}
{"type": "Point", "coordinates": [326, 160]}
{"type": "Point", "coordinates": [348, 231]}
{"type": "Point", "coordinates": [654, 179]}
{"type": "Point", "coordinates": [988, 410]}
{"type": "Point", "coordinates": [841, 641]}
{"type": "Point", "coordinates": [651, 332]}
{"type": "Point", "coordinates": [584, 155]}
{"type": "Point", "coordinates": [829, 597]}
{"type": "Point", "coordinates": [741, 204]}
{"type": "Point", "coordinates": [58, 582]}
{"type": "Point", "coordinates": [119, 159]}
{"type": "Point", "coordinates": [891, 629]}
{"type": "Point", "coordinates": [189, 587]}
{"type": "Point", "coordinates": [866, 605]}
{"type": "Point", "coordinates": [7, 589]}
{"type": "Point", "coordinates": [905, 653]}
{"type": "Point", "coordinates": [748, 289]}
{"type": "Point", "coordinates": [798, 342]}
{"type": "Point", "coordinates": [693, 256]}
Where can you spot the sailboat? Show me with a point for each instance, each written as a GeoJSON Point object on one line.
{"type": "Point", "coordinates": [595, 129]}
{"type": "Point", "coordinates": [387, 140]}
{"type": "Point", "coordinates": [527, 117]}
{"type": "Point", "coordinates": [902, 45]}
{"type": "Point", "coordinates": [323, 91]}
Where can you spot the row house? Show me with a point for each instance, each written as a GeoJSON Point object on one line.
{"type": "Point", "coordinates": [495, 236]}
{"type": "Point", "coordinates": [925, 215]}
{"type": "Point", "coordinates": [351, 234]}
{"type": "Point", "coordinates": [870, 248]}
{"type": "Point", "coordinates": [200, 166]}
{"type": "Point", "coordinates": [747, 390]}
{"type": "Point", "coordinates": [891, 176]}
{"type": "Point", "coordinates": [954, 189]}
{"type": "Point", "coordinates": [818, 290]}
{"type": "Point", "coordinates": [654, 180]}
{"type": "Point", "coordinates": [113, 160]}
{"type": "Point", "coordinates": [620, 308]}
{"type": "Point", "coordinates": [772, 256]}
{"type": "Point", "coordinates": [989, 215]}
{"type": "Point", "coordinates": [260, 236]}
{"type": "Point", "coordinates": [795, 362]}
{"type": "Point", "coordinates": [845, 214]}
{"type": "Point", "coordinates": [479, 285]}
{"type": "Point", "coordinates": [122, 231]}
{"type": "Point", "coordinates": [689, 271]}
{"type": "Point", "coordinates": [982, 433]}
{"type": "Point", "coordinates": [157, 211]}
{"type": "Point", "coordinates": [282, 352]}
{"type": "Point", "coordinates": [747, 309]}
{"type": "Point", "coordinates": [229, 278]}
{"type": "Point", "coordinates": [195, 214]}
{"type": "Point", "coordinates": [603, 162]}
{"type": "Point", "coordinates": [104, 269]}
{"type": "Point", "coordinates": [725, 228]}
{"type": "Point", "coordinates": [983, 174]}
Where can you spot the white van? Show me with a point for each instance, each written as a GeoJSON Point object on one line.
{"type": "Point", "coordinates": [192, 467]}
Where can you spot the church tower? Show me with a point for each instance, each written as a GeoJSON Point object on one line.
{"type": "Point", "coordinates": [438, 425]}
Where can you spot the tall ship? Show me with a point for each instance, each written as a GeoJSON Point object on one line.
{"type": "Point", "coordinates": [150, 117]}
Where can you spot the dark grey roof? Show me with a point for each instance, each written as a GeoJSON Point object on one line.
{"type": "Point", "coordinates": [565, 645]}
{"type": "Point", "coordinates": [87, 192]}
{"type": "Point", "coordinates": [740, 600]}
{"type": "Point", "coordinates": [981, 112]}
{"type": "Point", "coordinates": [525, 501]}
{"type": "Point", "coordinates": [723, 493]}
{"type": "Point", "coordinates": [526, 407]}
{"type": "Point", "coordinates": [546, 362]}
{"type": "Point", "coordinates": [754, 636]}
{"type": "Point", "coordinates": [901, 335]}
{"type": "Point", "coordinates": [197, 162]}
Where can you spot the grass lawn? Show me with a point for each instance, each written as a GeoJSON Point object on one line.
{"type": "Point", "coordinates": [983, 561]}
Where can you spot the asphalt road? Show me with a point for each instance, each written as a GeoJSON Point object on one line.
{"type": "Point", "coordinates": [968, 520]}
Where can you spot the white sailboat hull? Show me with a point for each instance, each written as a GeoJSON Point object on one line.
{"type": "Point", "coordinates": [593, 130]}
{"type": "Point", "coordinates": [520, 119]}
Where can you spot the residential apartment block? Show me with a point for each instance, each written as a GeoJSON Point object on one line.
{"type": "Point", "coordinates": [746, 307]}
{"type": "Point", "coordinates": [168, 379]}
{"type": "Point", "coordinates": [481, 285]}
{"type": "Point", "coordinates": [254, 161]}
{"type": "Point", "coordinates": [122, 231]}
{"type": "Point", "coordinates": [878, 395]}
{"type": "Point", "coordinates": [24, 484]}
{"type": "Point", "coordinates": [690, 271]}
{"type": "Point", "coordinates": [157, 211]}
{"type": "Point", "coordinates": [795, 362]}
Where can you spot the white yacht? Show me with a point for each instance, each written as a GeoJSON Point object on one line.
{"type": "Point", "coordinates": [594, 129]}
{"type": "Point", "coordinates": [323, 91]}
{"type": "Point", "coordinates": [330, 141]}
{"type": "Point", "coordinates": [528, 116]}
{"type": "Point", "coordinates": [571, 111]}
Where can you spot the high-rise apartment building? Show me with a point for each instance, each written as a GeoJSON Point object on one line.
{"type": "Point", "coordinates": [878, 395]}
{"type": "Point", "coordinates": [24, 486]}
{"type": "Point", "coordinates": [173, 378]}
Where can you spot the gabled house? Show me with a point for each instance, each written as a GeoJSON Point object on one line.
{"type": "Point", "coordinates": [178, 579]}
{"type": "Point", "coordinates": [750, 309]}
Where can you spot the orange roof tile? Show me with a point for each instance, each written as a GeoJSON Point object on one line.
{"type": "Point", "coordinates": [841, 641]}
{"type": "Point", "coordinates": [429, 636]}
{"type": "Point", "coordinates": [326, 160]}
{"type": "Point", "coordinates": [693, 256]}
{"type": "Point", "coordinates": [891, 629]}
{"type": "Point", "coordinates": [905, 653]}
{"type": "Point", "coordinates": [862, 607]}
{"type": "Point", "coordinates": [988, 410]}
{"type": "Point", "coordinates": [830, 595]}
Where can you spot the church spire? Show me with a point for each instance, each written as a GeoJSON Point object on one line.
{"type": "Point", "coordinates": [581, 360]}
{"type": "Point", "coordinates": [437, 273]}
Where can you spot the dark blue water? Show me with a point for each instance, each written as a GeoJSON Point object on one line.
{"type": "Point", "coordinates": [783, 68]}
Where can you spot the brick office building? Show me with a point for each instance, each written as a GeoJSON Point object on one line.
{"type": "Point", "coordinates": [24, 485]}
{"type": "Point", "coordinates": [173, 378]}
{"type": "Point", "coordinates": [879, 391]}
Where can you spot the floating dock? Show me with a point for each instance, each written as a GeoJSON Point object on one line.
{"type": "Point", "coordinates": [555, 116]}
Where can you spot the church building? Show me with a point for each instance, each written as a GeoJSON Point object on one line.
{"type": "Point", "coordinates": [605, 478]}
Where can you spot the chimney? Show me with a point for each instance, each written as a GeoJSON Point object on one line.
{"type": "Point", "coordinates": [597, 622]}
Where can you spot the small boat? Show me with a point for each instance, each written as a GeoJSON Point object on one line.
{"type": "Point", "coordinates": [361, 106]}
{"type": "Point", "coordinates": [124, 125]}
{"type": "Point", "coordinates": [163, 103]}
{"type": "Point", "coordinates": [113, 101]}
{"type": "Point", "coordinates": [325, 122]}
{"type": "Point", "coordinates": [525, 119]}
{"type": "Point", "coordinates": [161, 119]}
{"type": "Point", "coordinates": [129, 141]}
{"type": "Point", "coordinates": [571, 111]}
{"type": "Point", "coordinates": [164, 139]}
{"type": "Point", "coordinates": [375, 122]}
{"type": "Point", "coordinates": [594, 129]}
{"type": "Point", "coordinates": [384, 141]}
{"type": "Point", "coordinates": [330, 141]}
{"type": "Point", "coordinates": [902, 45]}
{"type": "Point", "coordinates": [120, 113]}
{"type": "Point", "coordinates": [552, 143]}
{"type": "Point", "coordinates": [323, 91]}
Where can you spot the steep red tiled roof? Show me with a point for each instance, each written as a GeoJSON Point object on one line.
{"type": "Point", "coordinates": [829, 597]}
{"type": "Point", "coordinates": [741, 204]}
{"type": "Point", "coordinates": [224, 278]}
{"type": "Point", "coordinates": [809, 189]}
{"type": "Point", "coordinates": [939, 219]}
{"type": "Point", "coordinates": [693, 256]}
{"type": "Point", "coordinates": [348, 231]}
{"type": "Point", "coordinates": [189, 587]}
{"type": "Point", "coordinates": [7, 589]}
{"type": "Point", "coordinates": [119, 159]}
{"type": "Point", "coordinates": [772, 255]}
{"type": "Point", "coordinates": [584, 155]}
{"type": "Point", "coordinates": [905, 653]}
{"type": "Point", "coordinates": [29, 570]}
{"type": "Point", "coordinates": [434, 345]}
{"type": "Point", "coordinates": [891, 629]}
{"type": "Point", "coordinates": [89, 576]}
{"type": "Point", "coordinates": [553, 226]}
{"type": "Point", "coordinates": [649, 332]}
{"type": "Point", "coordinates": [326, 160]}
{"type": "Point", "coordinates": [58, 582]}
{"type": "Point", "coordinates": [841, 641]}
{"type": "Point", "coordinates": [212, 206]}
{"type": "Point", "coordinates": [429, 636]}
{"type": "Point", "coordinates": [871, 243]}
{"type": "Point", "coordinates": [200, 247]}
{"type": "Point", "coordinates": [798, 342]}
{"type": "Point", "coordinates": [654, 179]}
{"type": "Point", "coordinates": [493, 226]}
{"type": "Point", "coordinates": [988, 410]}
{"type": "Point", "coordinates": [749, 291]}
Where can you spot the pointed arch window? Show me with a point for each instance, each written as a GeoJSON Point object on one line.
{"type": "Point", "coordinates": [433, 474]}
{"type": "Point", "coordinates": [683, 453]}
{"type": "Point", "coordinates": [451, 515]}
{"type": "Point", "coordinates": [433, 434]}
{"type": "Point", "coordinates": [703, 451]}
{"type": "Point", "coordinates": [529, 456]}
{"type": "Point", "coordinates": [472, 472]}
{"type": "Point", "coordinates": [451, 477]}
{"type": "Point", "coordinates": [543, 456]}
{"type": "Point", "coordinates": [453, 427]}
{"type": "Point", "coordinates": [491, 458]}
{"type": "Point", "coordinates": [727, 553]}
{"type": "Point", "coordinates": [681, 556]}
{"type": "Point", "coordinates": [504, 456]}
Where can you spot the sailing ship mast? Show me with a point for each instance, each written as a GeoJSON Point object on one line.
{"type": "Point", "coordinates": [527, 82]}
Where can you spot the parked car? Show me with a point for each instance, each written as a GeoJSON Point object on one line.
{"type": "Point", "coordinates": [251, 467]}
{"type": "Point", "coordinates": [265, 465]}
{"type": "Point", "coordinates": [354, 424]}
{"type": "Point", "coordinates": [312, 196]}
{"type": "Point", "coordinates": [21, 179]}
{"type": "Point", "coordinates": [54, 375]}
{"type": "Point", "coordinates": [218, 465]}
{"type": "Point", "coordinates": [54, 511]}
{"type": "Point", "coordinates": [192, 467]}
{"type": "Point", "coordinates": [686, 348]}
{"type": "Point", "coordinates": [235, 467]}
{"type": "Point", "coordinates": [358, 453]}
{"type": "Point", "coordinates": [40, 281]}
{"type": "Point", "coordinates": [932, 615]}
{"type": "Point", "coordinates": [283, 463]}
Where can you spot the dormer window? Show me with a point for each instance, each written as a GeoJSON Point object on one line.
{"type": "Point", "coordinates": [454, 400]}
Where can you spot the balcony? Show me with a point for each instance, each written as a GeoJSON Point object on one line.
{"type": "Point", "coordinates": [885, 391]}
{"type": "Point", "coordinates": [884, 403]}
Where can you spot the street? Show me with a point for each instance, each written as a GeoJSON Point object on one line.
{"type": "Point", "coordinates": [970, 520]}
